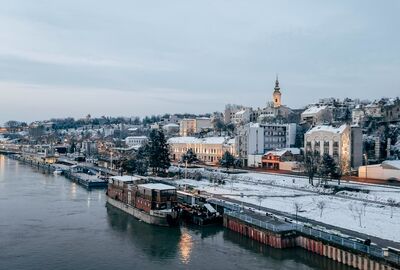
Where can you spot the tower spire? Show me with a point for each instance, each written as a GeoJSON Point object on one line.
{"type": "Point", "coordinates": [277, 94]}
{"type": "Point", "coordinates": [277, 88]}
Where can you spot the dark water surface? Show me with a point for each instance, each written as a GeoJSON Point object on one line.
{"type": "Point", "coordinates": [47, 222]}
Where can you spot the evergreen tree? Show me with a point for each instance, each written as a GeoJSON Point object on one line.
{"type": "Point", "coordinates": [158, 152]}
{"type": "Point", "coordinates": [328, 167]}
{"type": "Point", "coordinates": [227, 160]}
{"type": "Point", "coordinates": [137, 163]}
{"type": "Point", "coordinates": [142, 162]}
{"type": "Point", "coordinates": [189, 157]}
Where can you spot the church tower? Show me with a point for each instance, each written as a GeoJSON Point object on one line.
{"type": "Point", "coordinates": [277, 94]}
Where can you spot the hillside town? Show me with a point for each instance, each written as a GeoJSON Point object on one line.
{"type": "Point", "coordinates": [349, 137]}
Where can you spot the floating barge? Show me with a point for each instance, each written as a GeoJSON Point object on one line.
{"type": "Point", "coordinates": [153, 203]}
{"type": "Point", "coordinates": [196, 210]}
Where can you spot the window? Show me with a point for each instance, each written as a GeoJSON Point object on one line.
{"type": "Point", "coordinates": [326, 147]}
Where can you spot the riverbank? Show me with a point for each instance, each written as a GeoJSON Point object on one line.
{"type": "Point", "coordinates": [85, 180]}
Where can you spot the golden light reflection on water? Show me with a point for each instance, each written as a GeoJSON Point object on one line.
{"type": "Point", "coordinates": [73, 191]}
{"type": "Point", "coordinates": [185, 246]}
{"type": "Point", "coordinates": [2, 164]}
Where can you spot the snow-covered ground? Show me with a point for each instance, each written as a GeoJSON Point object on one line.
{"type": "Point", "coordinates": [280, 192]}
{"type": "Point", "coordinates": [372, 192]}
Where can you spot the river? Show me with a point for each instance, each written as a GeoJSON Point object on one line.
{"type": "Point", "coordinates": [47, 222]}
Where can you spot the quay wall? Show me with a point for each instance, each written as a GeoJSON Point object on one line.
{"type": "Point", "coordinates": [290, 239]}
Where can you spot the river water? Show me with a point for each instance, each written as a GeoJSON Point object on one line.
{"type": "Point", "coordinates": [47, 222]}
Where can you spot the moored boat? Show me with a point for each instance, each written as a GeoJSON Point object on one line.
{"type": "Point", "coordinates": [153, 203]}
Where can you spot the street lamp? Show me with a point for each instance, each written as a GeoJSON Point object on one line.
{"type": "Point", "coordinates": [366, 166]}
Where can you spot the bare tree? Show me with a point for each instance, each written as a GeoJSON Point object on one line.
{"type": "Point", "coordinates": [392, 203]}
{"type": "Point", "coordinates": [321, 206]}
{"type": "Point", "coordinates": [357, 212]}
{"type": "Point", "coordinates": [365, 204]}
{"type": "Point", "coordinates": [297, 208]}
{"type": "Point", "coordinates": [311, 165]}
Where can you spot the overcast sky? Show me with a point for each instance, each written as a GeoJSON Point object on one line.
{"type": "Point", "coordinates": [63, 58]}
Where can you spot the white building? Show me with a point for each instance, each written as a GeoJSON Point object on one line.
{"type": "Point", "coordinates": [135, 141]}
{"type": "Point", "coordinates": [242, 117]}
{"type": "Point", "coordinates": [256, 139]}
{"type": "Point", "coordinates": [208, 150]}
{"type": "Point", "coordinates": [331, 140]}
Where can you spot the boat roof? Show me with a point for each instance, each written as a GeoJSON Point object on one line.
{"type": "Point", "coordinates": [125, 178]}
{"type": "Point", "coordinates": [157, 186]}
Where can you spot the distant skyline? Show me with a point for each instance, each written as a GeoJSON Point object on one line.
{"type": "Point", "coordinates": [135, 58]}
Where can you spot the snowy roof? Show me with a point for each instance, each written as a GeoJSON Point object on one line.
{"type": "Point", "coordinates": [125, 178]}
{"type": "Point", "coordinates": [280, 152]}
{"type": "Point", "coordinates": [157, 186]}
{"type": "Point", "coordinates": [136, 137]}
{"type": "Point", "coordinates": [171, 125]}
{"type": "Point", "coordinates": [193, 140]}
{"type": "Point", "coordinates": [392, 164]}
{"type": "Point", "coordinates": [240, 112]}
{"type": "Point", "coordinates": [313, 110]}
{"type": "Point", "coordinates": [326, 128]}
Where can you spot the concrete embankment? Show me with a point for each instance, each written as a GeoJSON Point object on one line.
{"type": "Point", "coordinates": [340, 249]}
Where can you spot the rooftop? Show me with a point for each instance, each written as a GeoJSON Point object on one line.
{"type": "Point", "coordinates": [193, 140]}
{"type": "Point", "coordinates": [326, 128]}
{"type": "Point", "coordinates": [157, 186]}
{"type": "Point", "coordinates": [313, 110]}
{"type": "Point", "coordinates": [125, 178]}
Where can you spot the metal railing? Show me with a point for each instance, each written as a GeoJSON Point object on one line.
{"type": "Point", "coordinates": [344, 241]}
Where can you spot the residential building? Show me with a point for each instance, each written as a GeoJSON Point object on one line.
{"type": "Point", "coordinates": [277, 159]}
{"type": "Point", "coordinates": [89, 148]}
{"type": "Point", "coordinates": [357, 115]}
{"type": "Point", "coordinates": [391, 110]}
{"type": "Point", "coordinates": [257, 139]}
{"type": "Point", "coordinates": [208, 150]}
{"type": "Point", "coordinates": [335, 141]}
{"type": "Point", "coordinates": [190, 127]}
{"type": "Point", "coordinates": [138, 141]}
{"type": "Point", "coordinates": [230, 111]}
{"type": "Point", "coordinates": [316, 114]}
{"type": "Point", "coordinates": [241, 117]}
{"type": "Point", "coordinates": [279, 135]}
{"type": "Point", "coordinates": [171, 129]}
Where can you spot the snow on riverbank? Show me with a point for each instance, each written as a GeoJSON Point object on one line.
{"type": "Point", "coordinates": [369, 218]}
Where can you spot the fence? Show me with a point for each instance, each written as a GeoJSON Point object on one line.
{"type": "Point", "coordinates": [375, 251]}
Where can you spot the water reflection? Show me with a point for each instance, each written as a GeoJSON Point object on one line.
{"type": "Point", "coordinates": [156, 242]}
{"type": "Point", "coordinates": [2, 166]}
{"type": "Point", "coordinates": [185, 246]}
{"type": "Point", "coordinates": [73, 191]}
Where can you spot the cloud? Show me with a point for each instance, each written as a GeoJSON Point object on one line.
{"type": "Point", "coordinates": [192, 56]}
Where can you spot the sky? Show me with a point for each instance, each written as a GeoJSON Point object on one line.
{"type": "Point", "coordinates": [62, 58]}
